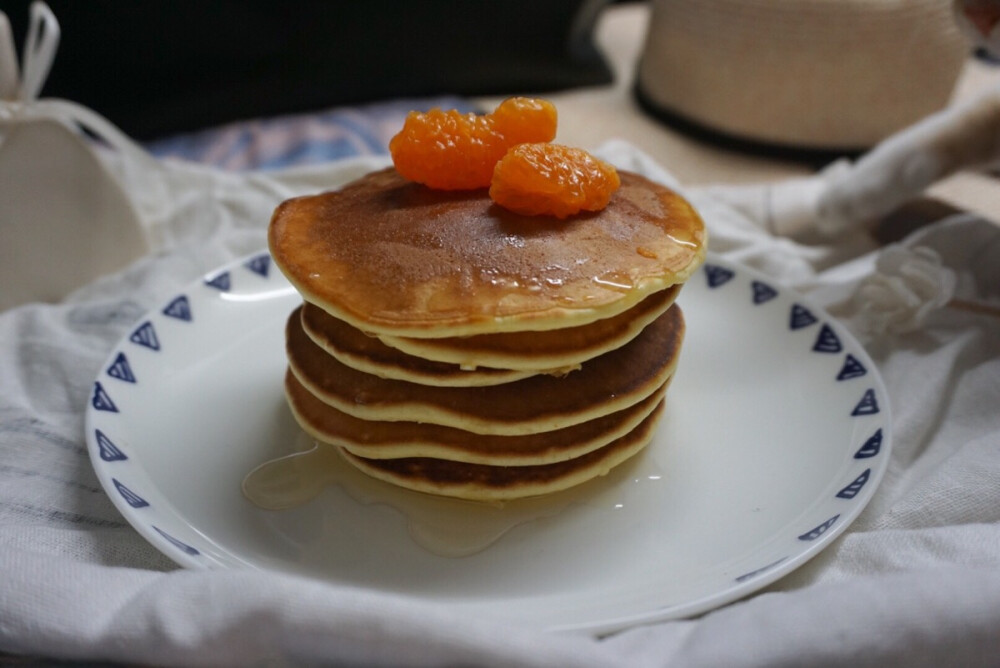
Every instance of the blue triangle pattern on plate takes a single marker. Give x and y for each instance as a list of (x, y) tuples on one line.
[(176, 543), (762, 292), (852, 368), (868, 404), (219, 281), (145, 335), (813, 534), (852, 490), (109, 451), (717, 275), (754, 573), (871, 447), (101, 400), (259, 264), (131, 498), (827, 341), (179, 308), (800, 317), (121, 370)]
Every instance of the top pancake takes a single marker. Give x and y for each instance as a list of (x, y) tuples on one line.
[(393, 257)]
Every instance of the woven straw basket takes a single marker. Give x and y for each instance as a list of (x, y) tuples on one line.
[(809, 74)]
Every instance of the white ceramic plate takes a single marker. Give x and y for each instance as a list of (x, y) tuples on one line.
[(775, 436)]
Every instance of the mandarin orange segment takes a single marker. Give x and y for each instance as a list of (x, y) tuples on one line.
[(524, 120), (449, 150), (552, 180)]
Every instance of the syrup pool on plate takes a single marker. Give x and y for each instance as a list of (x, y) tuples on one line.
[(443, 526)]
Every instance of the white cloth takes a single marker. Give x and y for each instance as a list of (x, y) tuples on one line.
[(914, 581)]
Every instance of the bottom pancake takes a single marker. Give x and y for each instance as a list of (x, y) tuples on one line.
[(483, 482)]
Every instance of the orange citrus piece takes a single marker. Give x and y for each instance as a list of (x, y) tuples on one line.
[(550, 179), (521, 120), (449, 150)]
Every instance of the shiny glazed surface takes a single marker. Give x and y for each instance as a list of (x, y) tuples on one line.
[(394, 257)]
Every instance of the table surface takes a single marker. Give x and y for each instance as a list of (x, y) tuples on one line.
[(590, 116)]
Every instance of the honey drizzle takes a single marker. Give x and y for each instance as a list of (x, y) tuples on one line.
[(443, 526)]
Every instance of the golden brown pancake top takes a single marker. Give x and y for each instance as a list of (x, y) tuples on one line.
[(394, 257)]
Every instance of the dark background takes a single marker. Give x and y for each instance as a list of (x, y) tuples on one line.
[(155, 67)]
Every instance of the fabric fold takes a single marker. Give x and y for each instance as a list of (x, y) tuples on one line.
[(915, 581)]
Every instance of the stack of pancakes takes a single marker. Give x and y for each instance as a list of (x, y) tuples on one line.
[(450, 346)]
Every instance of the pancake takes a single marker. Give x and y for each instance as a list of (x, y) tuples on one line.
[(393, 257), (481, 482), (388, 440), (603, 385), (550, 351), (450, 346), (353, 348), (484, 359)]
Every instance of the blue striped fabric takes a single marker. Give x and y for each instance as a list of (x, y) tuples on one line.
[(300, 139)]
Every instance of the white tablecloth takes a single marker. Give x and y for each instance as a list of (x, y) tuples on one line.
[(914, 581)]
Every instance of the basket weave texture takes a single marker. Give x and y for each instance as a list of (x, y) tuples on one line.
[(808, 73)]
